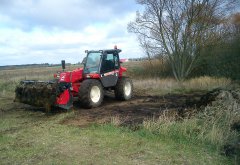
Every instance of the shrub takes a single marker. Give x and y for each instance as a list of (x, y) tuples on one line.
[(151, 69)]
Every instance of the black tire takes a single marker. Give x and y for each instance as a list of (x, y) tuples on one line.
[(120, 92), (84, 94)]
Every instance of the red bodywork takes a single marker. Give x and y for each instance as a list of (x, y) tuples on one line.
[(63, 98), (75, 78)]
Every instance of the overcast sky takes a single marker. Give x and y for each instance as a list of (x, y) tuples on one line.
[(48, 31)]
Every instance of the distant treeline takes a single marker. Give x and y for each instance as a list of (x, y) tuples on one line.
[(30, 66), (138, 59)]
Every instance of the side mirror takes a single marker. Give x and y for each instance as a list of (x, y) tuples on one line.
[(84, 61), (63, 64)]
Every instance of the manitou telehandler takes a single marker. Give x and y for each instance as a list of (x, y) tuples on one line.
[(102, 71)]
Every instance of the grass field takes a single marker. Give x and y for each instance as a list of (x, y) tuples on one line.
[(28, 136)]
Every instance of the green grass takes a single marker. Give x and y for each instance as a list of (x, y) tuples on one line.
[(28, 137)]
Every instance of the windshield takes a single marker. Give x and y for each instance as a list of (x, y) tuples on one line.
[(92, 62)]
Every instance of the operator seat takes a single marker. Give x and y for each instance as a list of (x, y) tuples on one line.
[(107, 65)]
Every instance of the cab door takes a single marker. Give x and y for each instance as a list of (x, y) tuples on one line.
[(109, 69)]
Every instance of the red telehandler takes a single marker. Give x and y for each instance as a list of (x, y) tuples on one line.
[(102, 71)]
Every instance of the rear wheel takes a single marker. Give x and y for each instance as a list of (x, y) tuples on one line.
[(124, 89), (90, 93)]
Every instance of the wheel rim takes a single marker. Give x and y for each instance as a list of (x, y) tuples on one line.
[(95, 94), (127, 88)]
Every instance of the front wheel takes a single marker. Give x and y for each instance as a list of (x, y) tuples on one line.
[(124, 89), (90, 93)]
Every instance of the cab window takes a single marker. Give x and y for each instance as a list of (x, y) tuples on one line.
[(108, 63)]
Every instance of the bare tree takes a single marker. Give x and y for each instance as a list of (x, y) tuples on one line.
[(145, 45), (179, 29)]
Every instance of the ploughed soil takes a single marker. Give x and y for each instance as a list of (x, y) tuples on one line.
[(136, 110)]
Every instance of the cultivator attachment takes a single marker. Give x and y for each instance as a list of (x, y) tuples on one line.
[(44, 94)]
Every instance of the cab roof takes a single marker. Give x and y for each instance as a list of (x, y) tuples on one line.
[(105, 50)]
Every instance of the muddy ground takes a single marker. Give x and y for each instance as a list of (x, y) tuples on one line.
[(131, 112), (134, 111)]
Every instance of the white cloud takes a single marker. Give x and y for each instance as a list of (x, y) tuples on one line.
[(42, 46), (70, 14), (41, 31)]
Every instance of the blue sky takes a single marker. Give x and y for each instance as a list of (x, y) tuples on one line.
[(48, 31)]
